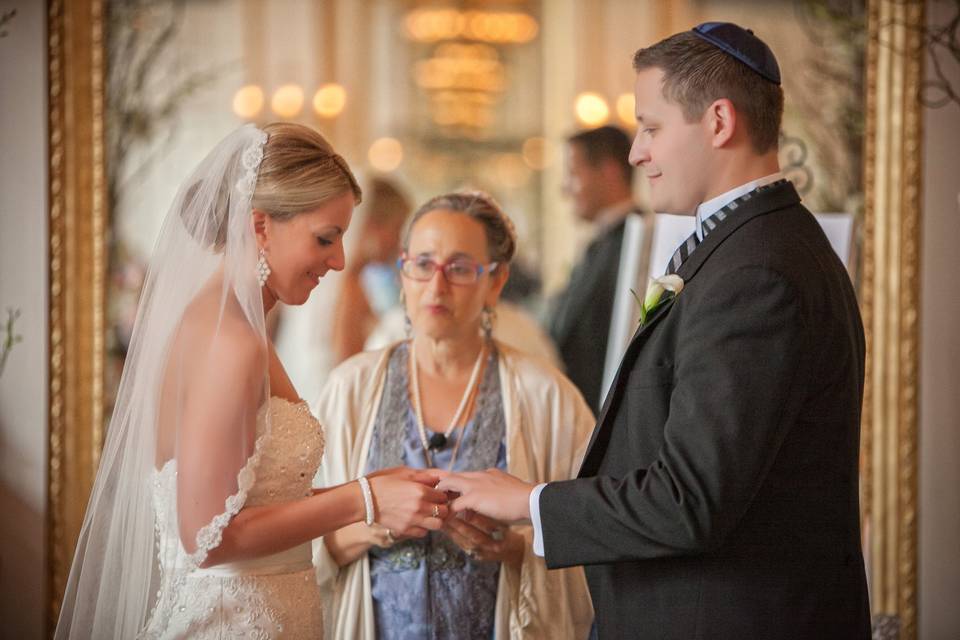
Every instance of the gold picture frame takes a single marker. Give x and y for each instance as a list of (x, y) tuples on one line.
[(78, 271), (889, 301), (78, 220)]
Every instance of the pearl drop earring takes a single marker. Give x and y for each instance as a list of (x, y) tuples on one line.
[(263, 269)]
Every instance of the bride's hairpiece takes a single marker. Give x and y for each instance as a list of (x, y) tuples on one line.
[(251, 159)]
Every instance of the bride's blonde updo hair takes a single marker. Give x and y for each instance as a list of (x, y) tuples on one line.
[(299, 172), (501, 234)]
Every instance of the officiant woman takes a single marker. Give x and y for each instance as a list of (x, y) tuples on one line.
[(451, 397)]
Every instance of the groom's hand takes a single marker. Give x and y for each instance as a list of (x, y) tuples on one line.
[(492, 493)]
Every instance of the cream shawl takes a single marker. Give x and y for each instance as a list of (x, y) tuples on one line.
[(548, 425)]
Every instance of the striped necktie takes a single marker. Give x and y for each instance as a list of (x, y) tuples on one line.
[(686, 248)]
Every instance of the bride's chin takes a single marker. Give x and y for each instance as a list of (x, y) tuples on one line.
[(294, 299)]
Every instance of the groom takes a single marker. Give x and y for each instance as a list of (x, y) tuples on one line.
[(719, 494)]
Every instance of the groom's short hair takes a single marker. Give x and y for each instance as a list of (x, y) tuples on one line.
[(695, 73)]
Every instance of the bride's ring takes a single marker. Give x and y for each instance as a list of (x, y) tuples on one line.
[(436, 511), (390, 539), (471, 553), (497, 534)]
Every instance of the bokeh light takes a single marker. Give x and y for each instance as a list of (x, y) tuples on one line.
[(248, 101), (385, 154), (287, 101), (591, 109), (329, 100)]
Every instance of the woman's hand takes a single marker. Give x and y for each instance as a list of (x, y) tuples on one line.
[(349, 543), (406, 503), (486, 539)]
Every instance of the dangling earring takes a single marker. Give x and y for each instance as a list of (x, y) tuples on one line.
[(487, 316), (407, 325), (263, 269)]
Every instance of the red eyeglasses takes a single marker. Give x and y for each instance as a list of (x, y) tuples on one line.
[(459, 271)]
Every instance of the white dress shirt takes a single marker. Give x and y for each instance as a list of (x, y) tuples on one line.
[(711, 206), (704, 211)]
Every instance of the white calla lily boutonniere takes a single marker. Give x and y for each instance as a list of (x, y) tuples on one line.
[(659, 292)]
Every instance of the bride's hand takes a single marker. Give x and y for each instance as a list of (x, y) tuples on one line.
[(406, 503), (429, 477)]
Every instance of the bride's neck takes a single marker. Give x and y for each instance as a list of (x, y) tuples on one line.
[(447, 358), (269, 299)]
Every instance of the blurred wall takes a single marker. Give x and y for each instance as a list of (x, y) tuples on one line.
[(939, 430), (23, 285)]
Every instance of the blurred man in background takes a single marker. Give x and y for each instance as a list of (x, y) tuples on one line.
[(599, 181)]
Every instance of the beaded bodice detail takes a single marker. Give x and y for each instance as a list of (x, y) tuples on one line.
[(287, 453), (290, 460), (281, 469)]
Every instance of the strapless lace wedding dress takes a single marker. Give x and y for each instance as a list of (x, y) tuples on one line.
[(269, 597)]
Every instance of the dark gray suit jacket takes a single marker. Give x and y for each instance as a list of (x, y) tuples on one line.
[(580, 314), (719, 495)]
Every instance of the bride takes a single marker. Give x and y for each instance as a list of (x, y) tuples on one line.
[(201, 516)]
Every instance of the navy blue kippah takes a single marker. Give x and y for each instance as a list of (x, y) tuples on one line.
[(742, 45)]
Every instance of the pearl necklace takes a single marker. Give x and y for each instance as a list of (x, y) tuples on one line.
[(439, 440)]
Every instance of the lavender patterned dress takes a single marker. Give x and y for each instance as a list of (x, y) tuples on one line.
[(428, 587)]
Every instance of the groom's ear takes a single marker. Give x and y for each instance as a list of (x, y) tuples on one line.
[(261, 223)]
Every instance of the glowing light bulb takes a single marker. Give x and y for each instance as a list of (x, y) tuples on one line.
[(287, 101), (329, 100), (591, 109), (626, 104), (385, 154), (538, 153), (248, 101)]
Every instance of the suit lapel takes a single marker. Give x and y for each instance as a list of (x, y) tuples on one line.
[(616, 387), (763, 203)]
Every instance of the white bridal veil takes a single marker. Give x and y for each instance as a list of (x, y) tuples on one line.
[(187, 405)]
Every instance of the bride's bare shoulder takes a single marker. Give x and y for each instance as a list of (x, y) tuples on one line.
[(221, 331)]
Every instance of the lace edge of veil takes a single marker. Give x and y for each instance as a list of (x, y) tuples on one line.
[(208, 538), (210, 535)]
